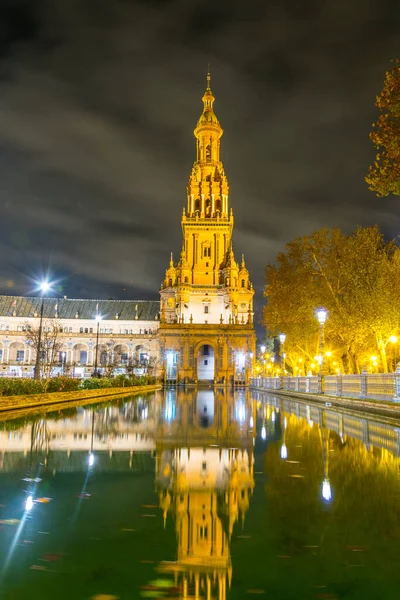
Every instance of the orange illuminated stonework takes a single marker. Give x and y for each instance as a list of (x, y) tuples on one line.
[(206, 329)]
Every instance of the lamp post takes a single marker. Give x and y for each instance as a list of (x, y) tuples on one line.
[(98, 318), (44, 287), (282, 339), (322, 314)]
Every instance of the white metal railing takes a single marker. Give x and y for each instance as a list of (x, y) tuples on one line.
[(376, 386)]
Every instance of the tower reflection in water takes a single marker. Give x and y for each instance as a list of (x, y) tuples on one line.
[(204, 477)]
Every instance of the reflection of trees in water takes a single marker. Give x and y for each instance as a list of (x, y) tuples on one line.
[(105, 422), (40, 436), (364, 510)]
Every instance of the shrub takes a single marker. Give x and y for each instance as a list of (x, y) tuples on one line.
[(15, 386), (63, 384), (96, 383)]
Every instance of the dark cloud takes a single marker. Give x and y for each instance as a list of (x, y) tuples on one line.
[(98, 101)]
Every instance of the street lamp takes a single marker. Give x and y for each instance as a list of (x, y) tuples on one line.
[(322, 314), (44, 287), (282, 339), (98, 319)]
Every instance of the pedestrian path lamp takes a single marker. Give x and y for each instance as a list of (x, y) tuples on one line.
[(44, 287), (98, 319), (322, 314)]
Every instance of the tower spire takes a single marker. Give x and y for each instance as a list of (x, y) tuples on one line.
[(209, 77)]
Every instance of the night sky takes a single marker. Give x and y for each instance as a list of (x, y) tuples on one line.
[(98, 102)]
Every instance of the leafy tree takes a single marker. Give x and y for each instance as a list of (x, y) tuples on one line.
[(384, 175), (356, 278)]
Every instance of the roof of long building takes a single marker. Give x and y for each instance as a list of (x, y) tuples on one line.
[(70, 308)]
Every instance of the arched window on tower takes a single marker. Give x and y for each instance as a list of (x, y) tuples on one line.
[(218, 205), (208, 207), (208, 152), (206, 310), (197, 205), (170, 282), (243, 283), (186, 279)]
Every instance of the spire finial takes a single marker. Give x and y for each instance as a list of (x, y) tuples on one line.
[(209, 76), (171, 261)]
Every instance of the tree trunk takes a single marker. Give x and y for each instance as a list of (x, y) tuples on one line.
[(382, 353)]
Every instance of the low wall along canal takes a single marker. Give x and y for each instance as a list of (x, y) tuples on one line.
[(8, 403)]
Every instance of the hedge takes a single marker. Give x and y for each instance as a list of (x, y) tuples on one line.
[(14, 386)]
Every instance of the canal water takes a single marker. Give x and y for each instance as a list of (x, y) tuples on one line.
[(199, 494)]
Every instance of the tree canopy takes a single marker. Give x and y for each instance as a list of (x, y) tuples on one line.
[(383, 176), (355, 277)]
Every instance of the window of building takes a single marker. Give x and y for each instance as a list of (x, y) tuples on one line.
[(124, 358), (206, 310), (83, 356), (205, 322), (70, 329), (61, 329), (206, 350), (218, 205), (197, 205), (86, 330), (80, 329), (111, 330), (243, 282), (144, 358), (205, 363), (203, 533), (7, 328), (91, 330), (20, 355), (19, 328), (66, 329), (1, 354)]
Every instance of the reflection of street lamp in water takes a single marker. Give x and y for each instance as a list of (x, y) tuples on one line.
[(326, 490), (284, 451)]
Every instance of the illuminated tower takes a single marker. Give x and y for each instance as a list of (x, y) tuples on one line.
[(207, 288)]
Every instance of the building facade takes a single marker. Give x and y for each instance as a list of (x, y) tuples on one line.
[(206, 326), (127, 338), (202, 328)]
